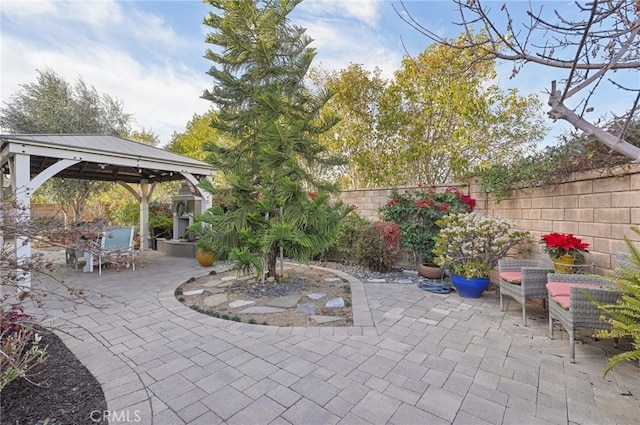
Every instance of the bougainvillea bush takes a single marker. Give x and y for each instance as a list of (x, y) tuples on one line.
[(379, 246), (416, 213)]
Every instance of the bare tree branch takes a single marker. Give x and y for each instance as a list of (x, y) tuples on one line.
[(603, 42)]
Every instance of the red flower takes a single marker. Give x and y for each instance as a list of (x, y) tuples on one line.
[(429, 202), (443, 207), (558, 244), (313, 195), (393, 202), (420, 204)]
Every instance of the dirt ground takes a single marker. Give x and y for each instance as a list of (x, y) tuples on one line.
[(298, 280)]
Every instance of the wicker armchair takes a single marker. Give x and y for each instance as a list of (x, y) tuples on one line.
[(574, 308), (523, 280)]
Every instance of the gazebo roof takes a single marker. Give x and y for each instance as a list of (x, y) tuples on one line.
[(101, 157)]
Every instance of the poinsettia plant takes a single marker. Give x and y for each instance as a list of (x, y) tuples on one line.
[(559, 244), (416, 213)]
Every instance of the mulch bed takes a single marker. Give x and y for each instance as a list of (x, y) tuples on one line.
[(67, 394)]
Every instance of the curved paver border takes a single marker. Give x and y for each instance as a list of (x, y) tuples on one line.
[(362, 318)]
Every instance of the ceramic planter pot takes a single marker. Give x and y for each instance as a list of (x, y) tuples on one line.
[(205, 258), (430, 271), (563, 264), (470, 288)]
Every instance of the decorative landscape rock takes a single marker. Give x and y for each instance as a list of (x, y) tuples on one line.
[(215, 300), (331, 279), (228, 278), (194, 292), (325, 319), (212, 284), (259, 309), (375, 280), (335, 303), (316, 296), (240, 303), (307, 308), (285, 302)]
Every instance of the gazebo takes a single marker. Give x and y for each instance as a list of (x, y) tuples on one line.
[(32, 159)]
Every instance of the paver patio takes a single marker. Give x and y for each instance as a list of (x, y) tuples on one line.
[(412, 357)]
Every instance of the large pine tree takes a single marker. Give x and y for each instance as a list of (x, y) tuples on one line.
[(269, 197)]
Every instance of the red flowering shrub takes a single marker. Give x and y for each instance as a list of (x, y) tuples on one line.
[(559, 244), (417, 211), (379, 246)]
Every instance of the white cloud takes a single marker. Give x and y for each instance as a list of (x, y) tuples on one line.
[(365, 11), (338, 45), (161, 97), (128, 54)]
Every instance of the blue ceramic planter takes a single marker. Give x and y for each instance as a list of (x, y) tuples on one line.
[(470, 288)]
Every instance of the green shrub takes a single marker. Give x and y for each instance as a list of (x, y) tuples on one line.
[(379, 246), (348, 239)]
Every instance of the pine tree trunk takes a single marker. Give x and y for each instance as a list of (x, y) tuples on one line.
[(272, 258)]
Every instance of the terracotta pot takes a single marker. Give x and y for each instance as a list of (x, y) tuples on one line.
[(205, 258), (430, 271)]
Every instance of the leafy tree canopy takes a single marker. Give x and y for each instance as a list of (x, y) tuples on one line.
[(53, 106), (438, 118)]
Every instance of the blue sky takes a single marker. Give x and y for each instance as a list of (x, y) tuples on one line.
[(148, 53)]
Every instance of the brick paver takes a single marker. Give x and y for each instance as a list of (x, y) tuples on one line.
[(411, 357)]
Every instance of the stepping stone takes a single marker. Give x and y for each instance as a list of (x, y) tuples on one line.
[(316, 296), (227, 278), (285, 302), (194, 292), (212, 284), (335, 303), (404, 281), (259, 309), (215, 300), (331, 279), (240, 303), (307, 308), (377, 280), (325, 319)]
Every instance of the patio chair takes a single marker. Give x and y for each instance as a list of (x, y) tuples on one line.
[(523, 280), (570, 303), (116, 247)]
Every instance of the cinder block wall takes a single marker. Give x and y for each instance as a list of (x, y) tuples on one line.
[(598, 207)]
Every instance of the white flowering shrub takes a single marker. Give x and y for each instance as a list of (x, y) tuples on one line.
[(470, 245)]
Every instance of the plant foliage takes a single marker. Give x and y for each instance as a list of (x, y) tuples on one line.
[(416, 213), (624, 316), (559, 244), (379, 247), (272, 200), (574, 152), (471, 244)]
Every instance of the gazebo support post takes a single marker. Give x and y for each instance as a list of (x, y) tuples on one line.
[(20, 182)]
